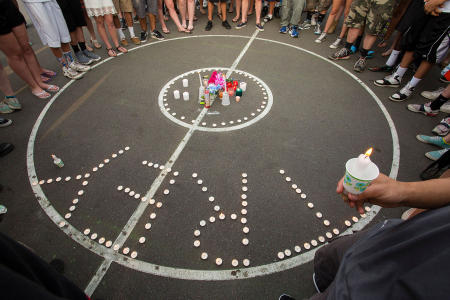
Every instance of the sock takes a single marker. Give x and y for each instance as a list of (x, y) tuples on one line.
[(309, 15), (320, 18), (400, 71), (82, 46), (62, 61), (75, 48), (414, 81), (69, 57), (364, 52), (348, 45), (269, 15), (392, 58), (436, 104), (358, 41), (131, 30), (121, 35)]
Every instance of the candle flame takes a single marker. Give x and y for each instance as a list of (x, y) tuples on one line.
[(368, 152)]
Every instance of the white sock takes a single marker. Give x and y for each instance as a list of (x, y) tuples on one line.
[(131, 30), (400, 71), (414, 81), (269, 15), (121, 35), (392, 58)]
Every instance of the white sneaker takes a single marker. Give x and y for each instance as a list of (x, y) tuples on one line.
[(445, 108), (336, 43), (317, 30), (314, 19), (392, 80), (79, 67), (70, 73), (321, 38), (432, 95)]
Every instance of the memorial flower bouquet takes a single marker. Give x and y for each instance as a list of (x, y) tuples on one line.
[(216, 83)]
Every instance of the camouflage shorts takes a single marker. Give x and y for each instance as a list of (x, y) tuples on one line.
[(321, 5), (372, 13)]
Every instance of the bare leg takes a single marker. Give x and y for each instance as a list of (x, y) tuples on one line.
[(210, 10), (91, 30), (251, 5), (182, 9), (352, 35), (238, 11), (191, 13), (109, 20), (369, 40), (161, 17), (230, 9), (101, 30), (244, 14), (173, 15), (333, 14), (223, 8), (271, 7), (152, 19), (143, 23), (258, 8), (5, 84)]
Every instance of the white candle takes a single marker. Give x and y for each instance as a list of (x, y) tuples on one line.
[(176, 94), (185, 83), (243, 86), (185, 96)]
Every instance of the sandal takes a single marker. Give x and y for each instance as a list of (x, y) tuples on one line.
[(96, 44), (52, 88), (48, 73), (121, 49), (235, 19), (45, 79), (190, 29), (166, 31), (111, 52), (42, 95), (89, 48)]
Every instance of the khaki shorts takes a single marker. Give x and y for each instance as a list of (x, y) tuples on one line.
[(372, 13), (321, 5), (123, 5)]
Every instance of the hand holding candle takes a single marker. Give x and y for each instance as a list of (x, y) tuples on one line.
[(359, 173)]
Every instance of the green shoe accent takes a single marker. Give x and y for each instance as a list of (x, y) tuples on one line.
[(433, 140), (12, 102), (4, 108)]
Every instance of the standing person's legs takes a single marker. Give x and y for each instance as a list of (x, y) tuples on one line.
[(173, 14), (91, 30), (251, 6), (5, 84), (238, 11), (258, 8), (286, 14), (244, 13), (335, 10), (152, 11), (181, 4), (161, 17), (113, 33), (191, 13), (10, 102)]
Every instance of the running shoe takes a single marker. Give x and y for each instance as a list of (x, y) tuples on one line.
[(83, 59), (403, 94), (268, 18), (91, 55), (435, 155), (157, 35), (383, 68), (71, 73), (360, 65), (336, 43), (143, 36), (284, 29), (392, 80), (259, 27), (5, 122), (293, 32), (342, 53), (443, 127), (241, 25), (443, 79), (136, 40), (445, 108), (424, 109), (124, 24), (4, 108), (317, 30), (433, 140), (208, 26), (226, 24), (305, 25), (13, 103), (432, 95), (321, 38), (124, 42)]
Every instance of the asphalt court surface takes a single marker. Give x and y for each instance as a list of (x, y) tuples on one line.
[(320, 117)]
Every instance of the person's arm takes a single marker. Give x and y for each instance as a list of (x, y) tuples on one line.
[(387, 192), (432, 6)]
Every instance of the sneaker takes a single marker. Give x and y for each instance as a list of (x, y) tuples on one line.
[(314, 19), (13, 103), (135, 40), (259, 27), (268, 18), (317, 30), (305, 25), (155, 34), (71, 73), (433, 140), (383, 68), (136, 19), (445, 108), (241, 25), (392, 80), (435, 155), (226, 24), (79, 67), (342, 53), (293, 32), (423, 108), (143, 36), (5, 122), (83, 59), (208, 26), (403, 94), (91, 55), (360, 65), (4, 108), (442, 128), (321, 38), (336, 43), (443, 79), (124, 42), (284, 29), (432, 95)]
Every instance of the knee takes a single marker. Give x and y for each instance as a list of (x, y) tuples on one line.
[(26, 48)]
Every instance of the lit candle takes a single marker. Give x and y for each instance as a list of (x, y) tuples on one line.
[(359, 173), (363, 160)]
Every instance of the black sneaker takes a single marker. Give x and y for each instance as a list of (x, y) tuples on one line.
[(143, 36), (259, 27), (5, 122), (209, 25), (241, 25), (157, 35), (226, 25)]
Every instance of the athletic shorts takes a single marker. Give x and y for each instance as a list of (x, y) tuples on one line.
[(10, 16), (321, 5), (73, 13), (49, 22), (144, 7), (372, 13), (123, 5), (428, 37), (413, 13)]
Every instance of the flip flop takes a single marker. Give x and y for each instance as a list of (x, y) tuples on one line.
[(234, 20), (42, 95), (111, 52), (49, 73), (45, 79), (167, 31), (96, 44), (121, 49), (52, 88), (190, 29)]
